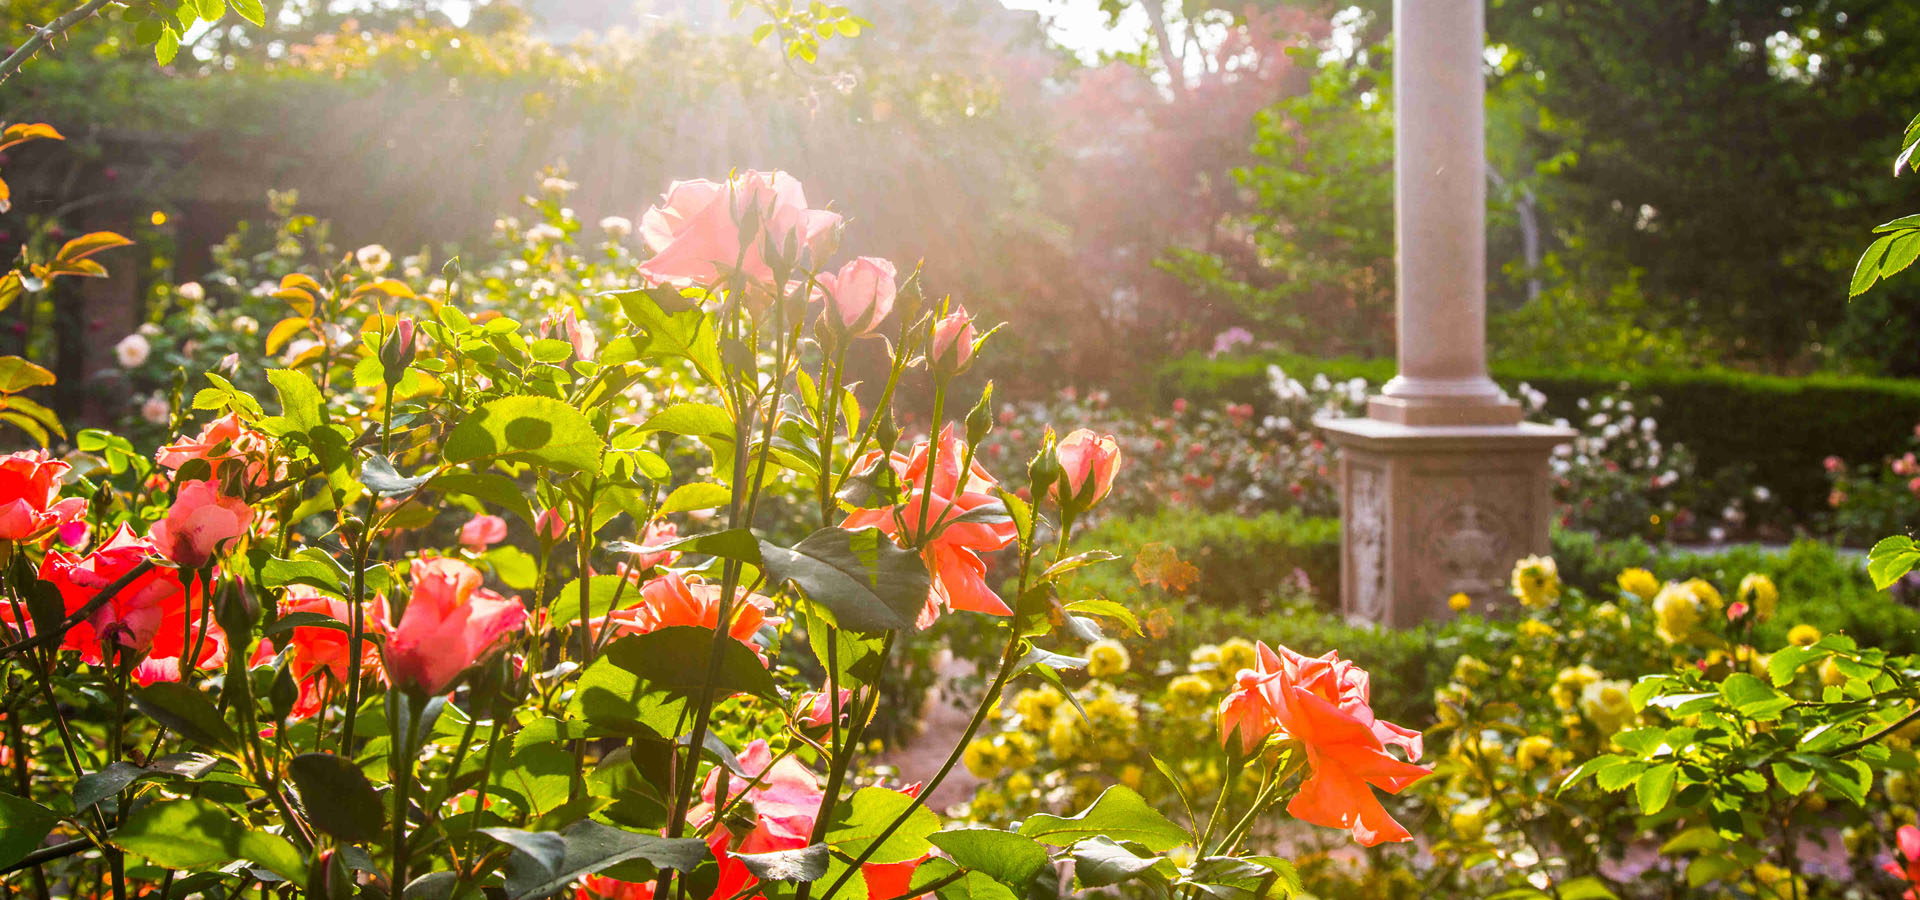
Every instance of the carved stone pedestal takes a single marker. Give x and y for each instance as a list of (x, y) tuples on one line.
[(1431, 511)]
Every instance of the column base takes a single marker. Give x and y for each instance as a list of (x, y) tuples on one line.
[(1429, 511)]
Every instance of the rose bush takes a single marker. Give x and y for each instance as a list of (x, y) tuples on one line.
[(475, 594)]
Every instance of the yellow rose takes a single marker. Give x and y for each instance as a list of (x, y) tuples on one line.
[(1534, 750), (1758, 592), (1189, 696), (1107, 658), (1237, 654), (1638, 582), (1606, 705), (1830, 674), (1676, 613), (982, 758), (1470, 671), (1536, 581), (1035, 707), (1534, 628), (1459, 602), (1708, 594), (1803, 635)]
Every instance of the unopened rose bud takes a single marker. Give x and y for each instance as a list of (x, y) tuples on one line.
[(1088, 463), (952, 349), (397, 354), (860, 294)]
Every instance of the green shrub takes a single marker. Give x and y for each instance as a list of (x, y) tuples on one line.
[(1243, 561), (1777, 429), (1819, 585)]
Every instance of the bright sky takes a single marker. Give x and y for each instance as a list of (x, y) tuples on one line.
[(1081, 26)]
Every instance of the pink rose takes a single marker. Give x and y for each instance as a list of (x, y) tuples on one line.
[(482, 532), (953, 338), (550, 524), (695, 232), (861, 294), (657, 533), (201, 523), (450, 623), (1088, 463), (1833, 463)]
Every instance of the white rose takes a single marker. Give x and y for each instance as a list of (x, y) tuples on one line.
[(544, 232), (374, 258), (132, 350), (191, 291), (155, 410), (246, 324), (617, 227)]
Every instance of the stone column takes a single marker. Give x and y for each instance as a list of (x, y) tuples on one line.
[(1442, 485)]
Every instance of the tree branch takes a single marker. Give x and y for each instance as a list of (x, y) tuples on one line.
[(42, 37)]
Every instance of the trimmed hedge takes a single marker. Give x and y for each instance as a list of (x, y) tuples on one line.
[(1242, 560), (1778, 429)]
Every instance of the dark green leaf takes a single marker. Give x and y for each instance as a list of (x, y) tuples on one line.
[(1099, 862), (23, 825), (338, 797), (187, 711), (864, 580)]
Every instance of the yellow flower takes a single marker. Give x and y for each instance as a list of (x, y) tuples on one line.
[(1536, 581), (1534, 750), (1803, 635), (1019, 750), (982, 758), (1570, 682), (1459, 602), (1758, 592), (1468, 822), (1237, 654), (1830, 674), (1063, 737), (1470, 671), (1035, 707), (1019, 783), (1639, 582), (1708, 594), (1676, 613), (1534, 628), (1107, 658), (1606, 705), (1189, 696)]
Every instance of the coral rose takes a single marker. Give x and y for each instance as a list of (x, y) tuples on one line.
[(153, 616), (672, 599), (450, 623), (223, 440), (318, 656), (953, 338), (951, 549), (1325, 704), (30, 503)]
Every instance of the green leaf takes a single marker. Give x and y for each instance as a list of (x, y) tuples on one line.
[(1002, 855), (185, 710), (692, 420), (687, 334), (339, 799), (860, 821), (697, 495), (971, 886), (1901, 253), (201, 834), (17, 375), (1587, 888), (862, 578), (491, 487), (378, 474), (588, 847), (97, 786), (601, 590), (1793, 778), (167, 46), (799, 866), (1867, 270), (250, 10), (300, 402), (1655, 788), (1119, 813), (24, 824), (1891, 559), (642, 683), (1787, 661), (1099, 862), (534, 429)]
